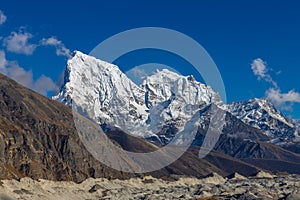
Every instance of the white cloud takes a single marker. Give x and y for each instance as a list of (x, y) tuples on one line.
[(280, 99), (19, 43), (259, 68), (43, 85), (284, 101), (279, 72), (2, 17), (19, 74), (61, 50), (3, 61), (11, 69), (52, 41)]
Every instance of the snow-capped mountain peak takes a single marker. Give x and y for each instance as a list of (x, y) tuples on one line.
[(101, 90), (273, 112), (104, 93), (161, 85), (261, 114)]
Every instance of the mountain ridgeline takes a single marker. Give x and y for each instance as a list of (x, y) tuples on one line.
[(39, 139), (161, 108)]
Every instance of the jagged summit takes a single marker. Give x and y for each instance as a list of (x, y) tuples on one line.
[(164, 83), (262, 114), (104, 93)]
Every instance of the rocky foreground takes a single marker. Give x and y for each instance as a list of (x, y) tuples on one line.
[(262, 186)]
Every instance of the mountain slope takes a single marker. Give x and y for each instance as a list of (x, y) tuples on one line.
[(250, 144), (38, 139)]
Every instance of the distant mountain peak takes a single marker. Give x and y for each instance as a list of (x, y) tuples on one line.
[(262, 114), (264, 103)]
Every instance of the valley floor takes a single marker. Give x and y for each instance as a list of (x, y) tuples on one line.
[(262, 186)]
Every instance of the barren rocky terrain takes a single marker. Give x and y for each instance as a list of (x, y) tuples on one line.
[(262, 186)]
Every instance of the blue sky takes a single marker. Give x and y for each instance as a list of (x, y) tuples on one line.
[(234, 33)]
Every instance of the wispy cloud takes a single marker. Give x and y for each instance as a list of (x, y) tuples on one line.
[(283, 100), (19, 74), (3, 61), (61, 49), (259, 68), (2, 17), (43, 84), (18, 42)]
